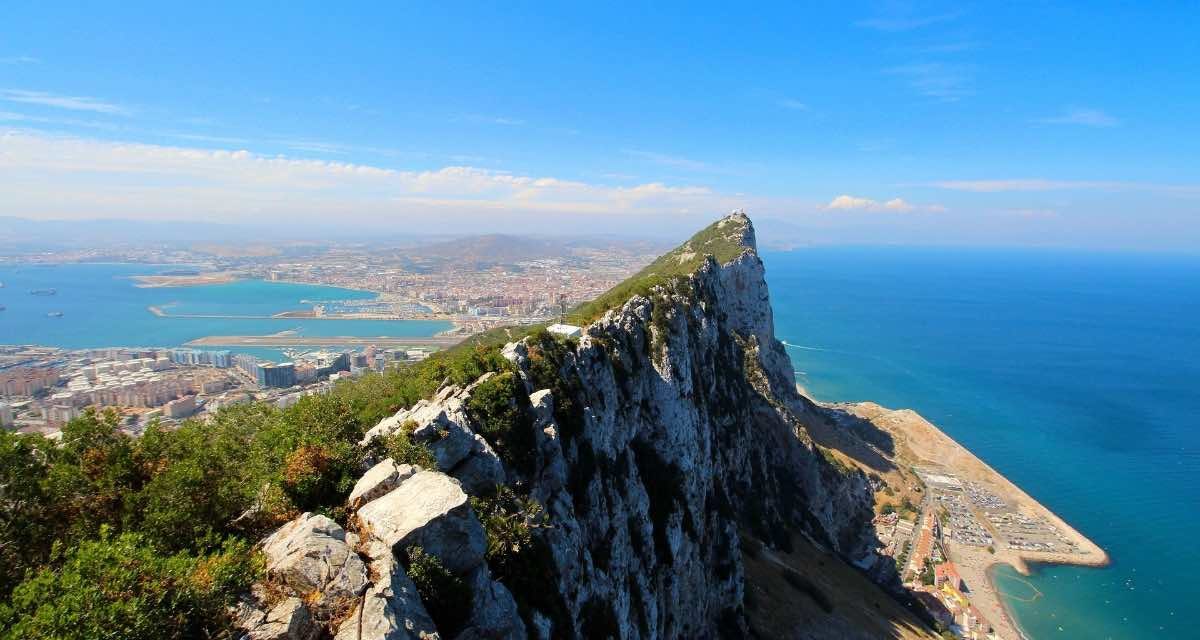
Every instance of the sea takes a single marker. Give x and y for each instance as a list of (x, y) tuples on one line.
[(102, 307), (1076, 375)]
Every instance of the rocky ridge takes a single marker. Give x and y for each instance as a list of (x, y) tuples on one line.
[(665, 437)]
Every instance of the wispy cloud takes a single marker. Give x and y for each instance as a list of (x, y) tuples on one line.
[(955, 46), (904, 20), (18, 60), (1043, 184), (477, 118), (200, 137), (668, 160), (948, 82), (55, 174), (1082, 117), (1033, 214), (793, 104), (73, 103), (895, 205)]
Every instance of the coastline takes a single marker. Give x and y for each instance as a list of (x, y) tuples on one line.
[(918, 442), (1006, 610)]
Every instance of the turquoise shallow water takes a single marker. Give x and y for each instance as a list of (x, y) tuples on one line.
[(101, 307), (1073, 374)]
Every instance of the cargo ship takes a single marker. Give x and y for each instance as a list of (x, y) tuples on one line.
[(43, 292), (54, 314)]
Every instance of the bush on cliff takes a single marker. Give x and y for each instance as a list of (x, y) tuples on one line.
[(501, 409), (118, 587)]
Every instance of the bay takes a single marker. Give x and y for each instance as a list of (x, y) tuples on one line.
[(102, 307)]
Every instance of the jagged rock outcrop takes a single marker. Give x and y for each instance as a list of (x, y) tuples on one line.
[(310, 555), (391, 608), (428, 510), (288, 620), (665, 435), (447, 428), (379, 480)]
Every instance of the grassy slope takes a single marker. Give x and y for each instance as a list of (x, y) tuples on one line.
[(721, 239)]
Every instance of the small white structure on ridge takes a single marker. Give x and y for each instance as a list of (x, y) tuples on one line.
[(565, 330)]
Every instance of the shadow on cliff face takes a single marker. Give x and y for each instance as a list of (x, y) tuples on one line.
[(858, 438), (808, 593)]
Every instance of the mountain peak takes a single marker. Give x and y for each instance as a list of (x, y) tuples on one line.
[(725, 240)]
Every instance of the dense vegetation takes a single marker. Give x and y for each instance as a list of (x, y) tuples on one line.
[(107, 535)]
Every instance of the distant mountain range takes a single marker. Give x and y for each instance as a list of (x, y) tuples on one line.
[(23, 236)]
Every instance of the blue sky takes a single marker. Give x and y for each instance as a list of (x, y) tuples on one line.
[(992, 123)]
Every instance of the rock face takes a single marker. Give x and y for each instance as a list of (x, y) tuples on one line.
[(310, 555), (447, 428), (673, 426), (288, 620), (668, 432), (428, 510), (379, 480), (390, 610)]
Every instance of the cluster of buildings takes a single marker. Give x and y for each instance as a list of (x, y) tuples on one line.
[(461, 290), (934, 580), (946, 600), (27, 381), (44, 388)]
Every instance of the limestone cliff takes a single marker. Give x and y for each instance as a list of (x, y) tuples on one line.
[(663, 443)]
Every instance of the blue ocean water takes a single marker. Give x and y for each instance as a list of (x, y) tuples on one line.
[(1074, 374), (101, 307)]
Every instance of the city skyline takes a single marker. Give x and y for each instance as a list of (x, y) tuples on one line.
[(894, 123)]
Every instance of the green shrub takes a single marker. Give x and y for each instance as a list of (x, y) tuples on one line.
[(117, 587), (445, 596), (399, 446), (501, 409)]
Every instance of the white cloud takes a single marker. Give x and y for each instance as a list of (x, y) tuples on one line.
[(793, 104), (73, 103), (19, 60), (62, 176), (896, 205), (1083, 117)]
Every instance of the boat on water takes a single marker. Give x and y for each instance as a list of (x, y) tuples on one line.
[(54, 314), (43, 292)]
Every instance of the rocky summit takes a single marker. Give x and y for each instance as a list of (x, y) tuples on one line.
[(651, 467)]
